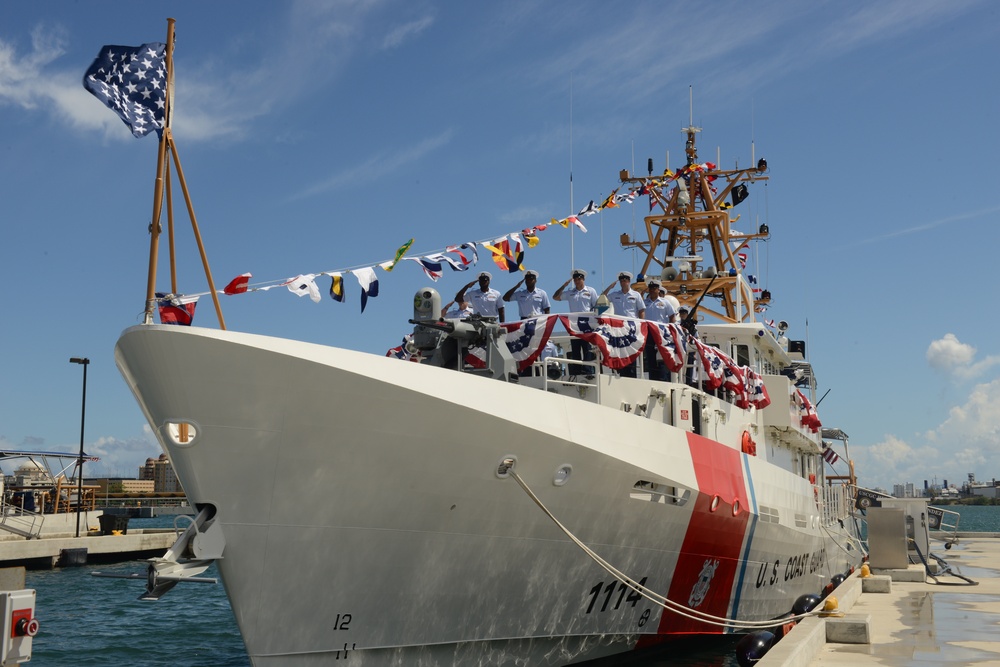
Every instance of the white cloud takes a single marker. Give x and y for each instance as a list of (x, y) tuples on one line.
[(122, 456), (967, 441), (400, 34), (976, 423), (379, 165), (960, 217), (957, 359), (893, 461), (214, 99)]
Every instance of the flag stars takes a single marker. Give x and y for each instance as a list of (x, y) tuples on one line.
[(123, 69)]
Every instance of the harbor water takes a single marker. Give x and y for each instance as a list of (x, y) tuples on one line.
[(86, 620)]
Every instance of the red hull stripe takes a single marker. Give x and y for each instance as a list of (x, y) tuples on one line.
[(710, 553)]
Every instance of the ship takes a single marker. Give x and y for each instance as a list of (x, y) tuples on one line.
[(485, 502)]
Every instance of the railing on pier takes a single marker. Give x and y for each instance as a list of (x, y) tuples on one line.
[(20, 521), (944, 521)]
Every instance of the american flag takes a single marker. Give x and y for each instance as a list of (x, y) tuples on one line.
[(131, 81)]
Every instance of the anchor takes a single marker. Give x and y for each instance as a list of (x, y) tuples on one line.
[(191, 554)]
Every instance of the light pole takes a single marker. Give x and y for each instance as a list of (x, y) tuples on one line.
[(83, 420)]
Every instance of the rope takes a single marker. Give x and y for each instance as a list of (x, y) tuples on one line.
[(655, 598), (849, 537)]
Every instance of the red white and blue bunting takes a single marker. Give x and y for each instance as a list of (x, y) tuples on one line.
[(621, 341)]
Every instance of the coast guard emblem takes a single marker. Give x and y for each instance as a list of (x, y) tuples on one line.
[(700, 589)]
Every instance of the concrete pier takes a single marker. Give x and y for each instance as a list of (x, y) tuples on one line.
[(66, 550), (910, 619)]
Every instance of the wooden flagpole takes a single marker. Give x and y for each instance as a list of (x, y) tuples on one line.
[(197, 234), (163, 174), (170, 228), (161, 159)]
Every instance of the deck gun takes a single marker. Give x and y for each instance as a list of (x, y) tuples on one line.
[(689, 323)]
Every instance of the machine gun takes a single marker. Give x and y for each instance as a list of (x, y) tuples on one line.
[(689, 323)]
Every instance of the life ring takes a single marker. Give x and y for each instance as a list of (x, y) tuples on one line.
[(747, 445)]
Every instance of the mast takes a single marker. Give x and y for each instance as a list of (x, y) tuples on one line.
[(163, 180), (691, 242), (161, 162)]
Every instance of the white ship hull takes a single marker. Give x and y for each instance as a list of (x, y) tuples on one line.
[(365, 520)]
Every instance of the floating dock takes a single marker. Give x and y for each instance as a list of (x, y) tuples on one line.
[(902, 617)]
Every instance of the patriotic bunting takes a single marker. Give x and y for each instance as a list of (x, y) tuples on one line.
[(402, 351), (755, 393), (670, 342), (711, 363), (527, 338), (807, 413), (620, 340)]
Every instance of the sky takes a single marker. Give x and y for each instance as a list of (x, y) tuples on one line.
[(321, 135)]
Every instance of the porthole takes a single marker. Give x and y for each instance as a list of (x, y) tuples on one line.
[(505, 465), (736, 506), (715, 504), (181, 433)]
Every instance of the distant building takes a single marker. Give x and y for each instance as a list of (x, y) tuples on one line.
[(121, 485), (29, 473), (985, 489), (161, 472)]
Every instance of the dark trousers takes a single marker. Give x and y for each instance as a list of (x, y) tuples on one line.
[(654, 365), (579, 349)]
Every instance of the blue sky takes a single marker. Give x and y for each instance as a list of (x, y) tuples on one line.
[(322, 135)]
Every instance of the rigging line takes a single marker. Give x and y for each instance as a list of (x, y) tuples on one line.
[(632, 209), (652, 596), (767, 250), (572, 247), (278, 282), (602, 245), (833, 537)]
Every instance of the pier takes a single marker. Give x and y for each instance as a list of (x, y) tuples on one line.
[(66, 550), (902, 617)]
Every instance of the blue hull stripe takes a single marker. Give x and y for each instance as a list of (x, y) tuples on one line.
[(750, 531)]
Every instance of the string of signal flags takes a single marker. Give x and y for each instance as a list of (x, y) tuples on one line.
[(506, 251)]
